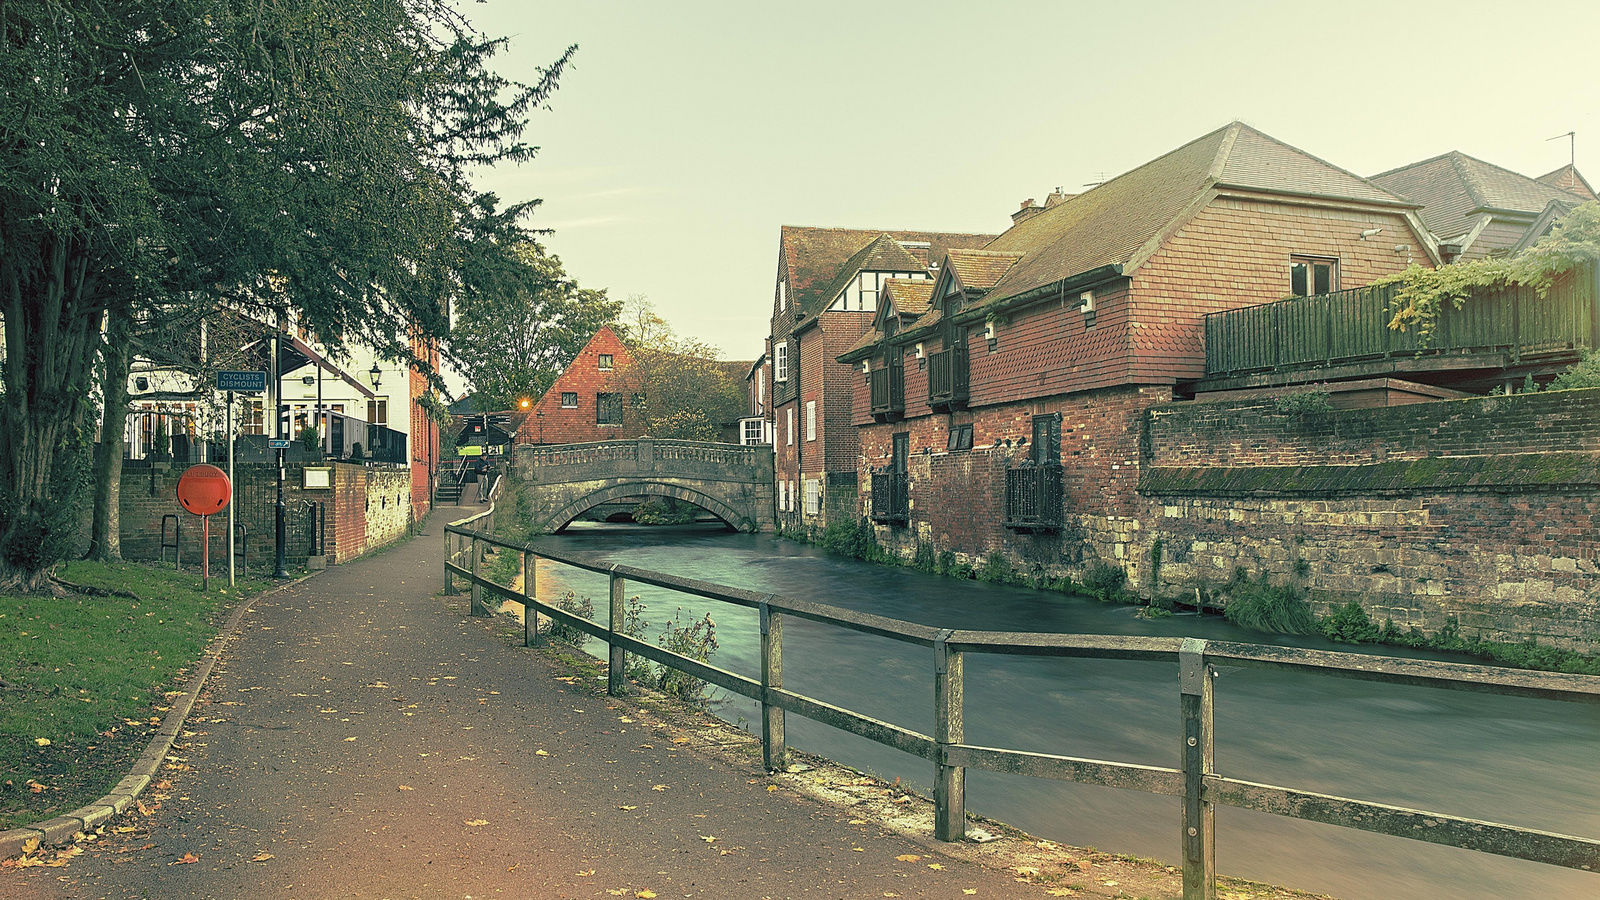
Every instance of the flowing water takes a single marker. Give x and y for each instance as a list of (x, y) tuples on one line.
[(1523, 762)]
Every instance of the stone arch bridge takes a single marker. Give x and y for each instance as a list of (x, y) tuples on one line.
[(732, 482)]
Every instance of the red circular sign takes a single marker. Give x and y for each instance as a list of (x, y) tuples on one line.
[(204, 490)]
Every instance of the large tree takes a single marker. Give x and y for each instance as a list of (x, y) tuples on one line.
[(303, 157), (677, 386), (516, 332)]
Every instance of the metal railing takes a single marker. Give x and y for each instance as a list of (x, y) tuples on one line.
[(1195, 781), (891, 497), (888, 390), (1353, 325), (948, 377), (1033, 498)]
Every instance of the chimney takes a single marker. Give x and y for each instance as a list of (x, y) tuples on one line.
[(1056, 198), (1029, 210)]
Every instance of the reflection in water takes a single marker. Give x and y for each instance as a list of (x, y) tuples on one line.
[(1525, 762)]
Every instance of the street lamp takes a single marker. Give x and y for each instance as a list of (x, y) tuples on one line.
[(376, 374)]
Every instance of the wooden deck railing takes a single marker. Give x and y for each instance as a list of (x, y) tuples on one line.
[(888, 390), (1351, 326), (948, 376), (1196, 781)]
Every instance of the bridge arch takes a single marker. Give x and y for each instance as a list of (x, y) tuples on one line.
[(564, 516)]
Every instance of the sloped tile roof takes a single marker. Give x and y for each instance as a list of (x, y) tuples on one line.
[(1114, 223), (814, 257), (1569, 179), (909, 296), (980, 269), (883, 254), (866, 341), (1455, 188)]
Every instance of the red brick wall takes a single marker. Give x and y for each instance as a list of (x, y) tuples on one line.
[(552, 424), (839, 332), (1236, 253)]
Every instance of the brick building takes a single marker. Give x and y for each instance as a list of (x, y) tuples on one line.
[(1477, 209), (585, 403), (1000, 411), (827, 291)]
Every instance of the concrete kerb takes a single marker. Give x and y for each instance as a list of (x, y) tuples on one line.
[(61, 829)]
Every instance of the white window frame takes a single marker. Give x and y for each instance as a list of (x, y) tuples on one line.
[(780, 362), (811, 420), (788, 425), (813, 496)]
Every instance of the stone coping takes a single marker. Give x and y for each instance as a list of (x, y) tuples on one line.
[(60, 830)]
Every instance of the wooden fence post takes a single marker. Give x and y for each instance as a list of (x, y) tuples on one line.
[(617, 681), (449, 557), (477, 589), (949, 782), (1199, 827), (774, 746), (530, 589)]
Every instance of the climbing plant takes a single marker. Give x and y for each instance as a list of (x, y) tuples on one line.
[(1421, 293)]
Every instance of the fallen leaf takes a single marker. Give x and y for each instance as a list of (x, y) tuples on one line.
[(626, 721), (680, 740), (263, 856), (658, 787), (969, 890), (1062, 892), (1027, 871), (771, 788), (627, 807), (646, 894), (43, 742), (476, 822), (184, 860), (935, 866), (540, 753), (647, 746), (908, 857), (349, 739), (858, 849), (586, 873), (407, 787), (707, 838), (1109, 883), (126, 829), (29, 846)]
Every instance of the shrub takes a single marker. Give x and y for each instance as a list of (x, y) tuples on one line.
[(925, 559), (633, 625), (696, 640), (853, 539), (996, 569), (1104, 581), (1349, 624), (582, 607), (1269, 607), (1302, 403)]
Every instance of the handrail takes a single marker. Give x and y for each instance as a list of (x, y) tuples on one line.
[(1197, 661)]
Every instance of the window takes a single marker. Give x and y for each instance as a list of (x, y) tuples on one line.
[(378, 411), (811, 420), (750, 432), (813, 496), (788, 426), (608, 409), (960, 438), (780, 363), (605, 362), (569, 399), (1047, 439), (254, 421), (783, 296), (791, 496), (1310, 275)]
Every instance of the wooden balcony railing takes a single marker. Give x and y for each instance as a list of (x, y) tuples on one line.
[(891, 497), (1350, 326), (888, 391), (948, 378), (1033, 498)]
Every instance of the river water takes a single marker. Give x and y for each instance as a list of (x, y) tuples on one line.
[(1524, 762)]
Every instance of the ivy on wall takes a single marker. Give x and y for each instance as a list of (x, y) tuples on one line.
[(1421, 292)]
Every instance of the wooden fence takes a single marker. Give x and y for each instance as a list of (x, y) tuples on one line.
[(1199, 786), (1351, 326)]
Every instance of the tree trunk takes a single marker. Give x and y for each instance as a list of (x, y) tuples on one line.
[(105, 544)]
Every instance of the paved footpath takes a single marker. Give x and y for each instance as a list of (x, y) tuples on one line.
[(363, 739)]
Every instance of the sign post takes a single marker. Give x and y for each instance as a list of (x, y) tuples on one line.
[(243, 382), (204, 490)]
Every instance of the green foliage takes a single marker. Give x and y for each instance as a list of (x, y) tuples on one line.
[(583, 607), (1349, 624), (1302, 568), (1303, 403), (634, 625), (697, 640), (1268, 607), (1529, 654), (996, 570), (665, 511), (1586, 374), (1422, 292), (855, 540), (516, 333), (309, 440), (1104, 581), (680, 387)]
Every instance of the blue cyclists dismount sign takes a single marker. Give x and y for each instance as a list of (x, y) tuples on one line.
[(244, 382)]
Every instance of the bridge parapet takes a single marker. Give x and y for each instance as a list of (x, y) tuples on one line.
[(731, 480)]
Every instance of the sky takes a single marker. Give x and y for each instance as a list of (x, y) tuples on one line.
[(685, 134)]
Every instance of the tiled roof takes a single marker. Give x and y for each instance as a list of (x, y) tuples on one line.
[(980, 269), (815, 257), (1118, 223), (1569, 179), (909, 296), (866, 341), (884, 254), (1455, 188)]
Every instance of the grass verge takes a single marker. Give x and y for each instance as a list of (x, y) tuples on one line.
[(87, 677)]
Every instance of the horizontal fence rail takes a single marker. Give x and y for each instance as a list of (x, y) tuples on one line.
[(1353, 325), (1199, 786)]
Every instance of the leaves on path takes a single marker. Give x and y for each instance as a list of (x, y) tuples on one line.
[(407, 787), (184, 860), (476, 822), (540, 753), (586, 873), (263, 856), (658, 787), (708, 838), (628, 807), (646, 894), (935, 866), (908, 857)]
